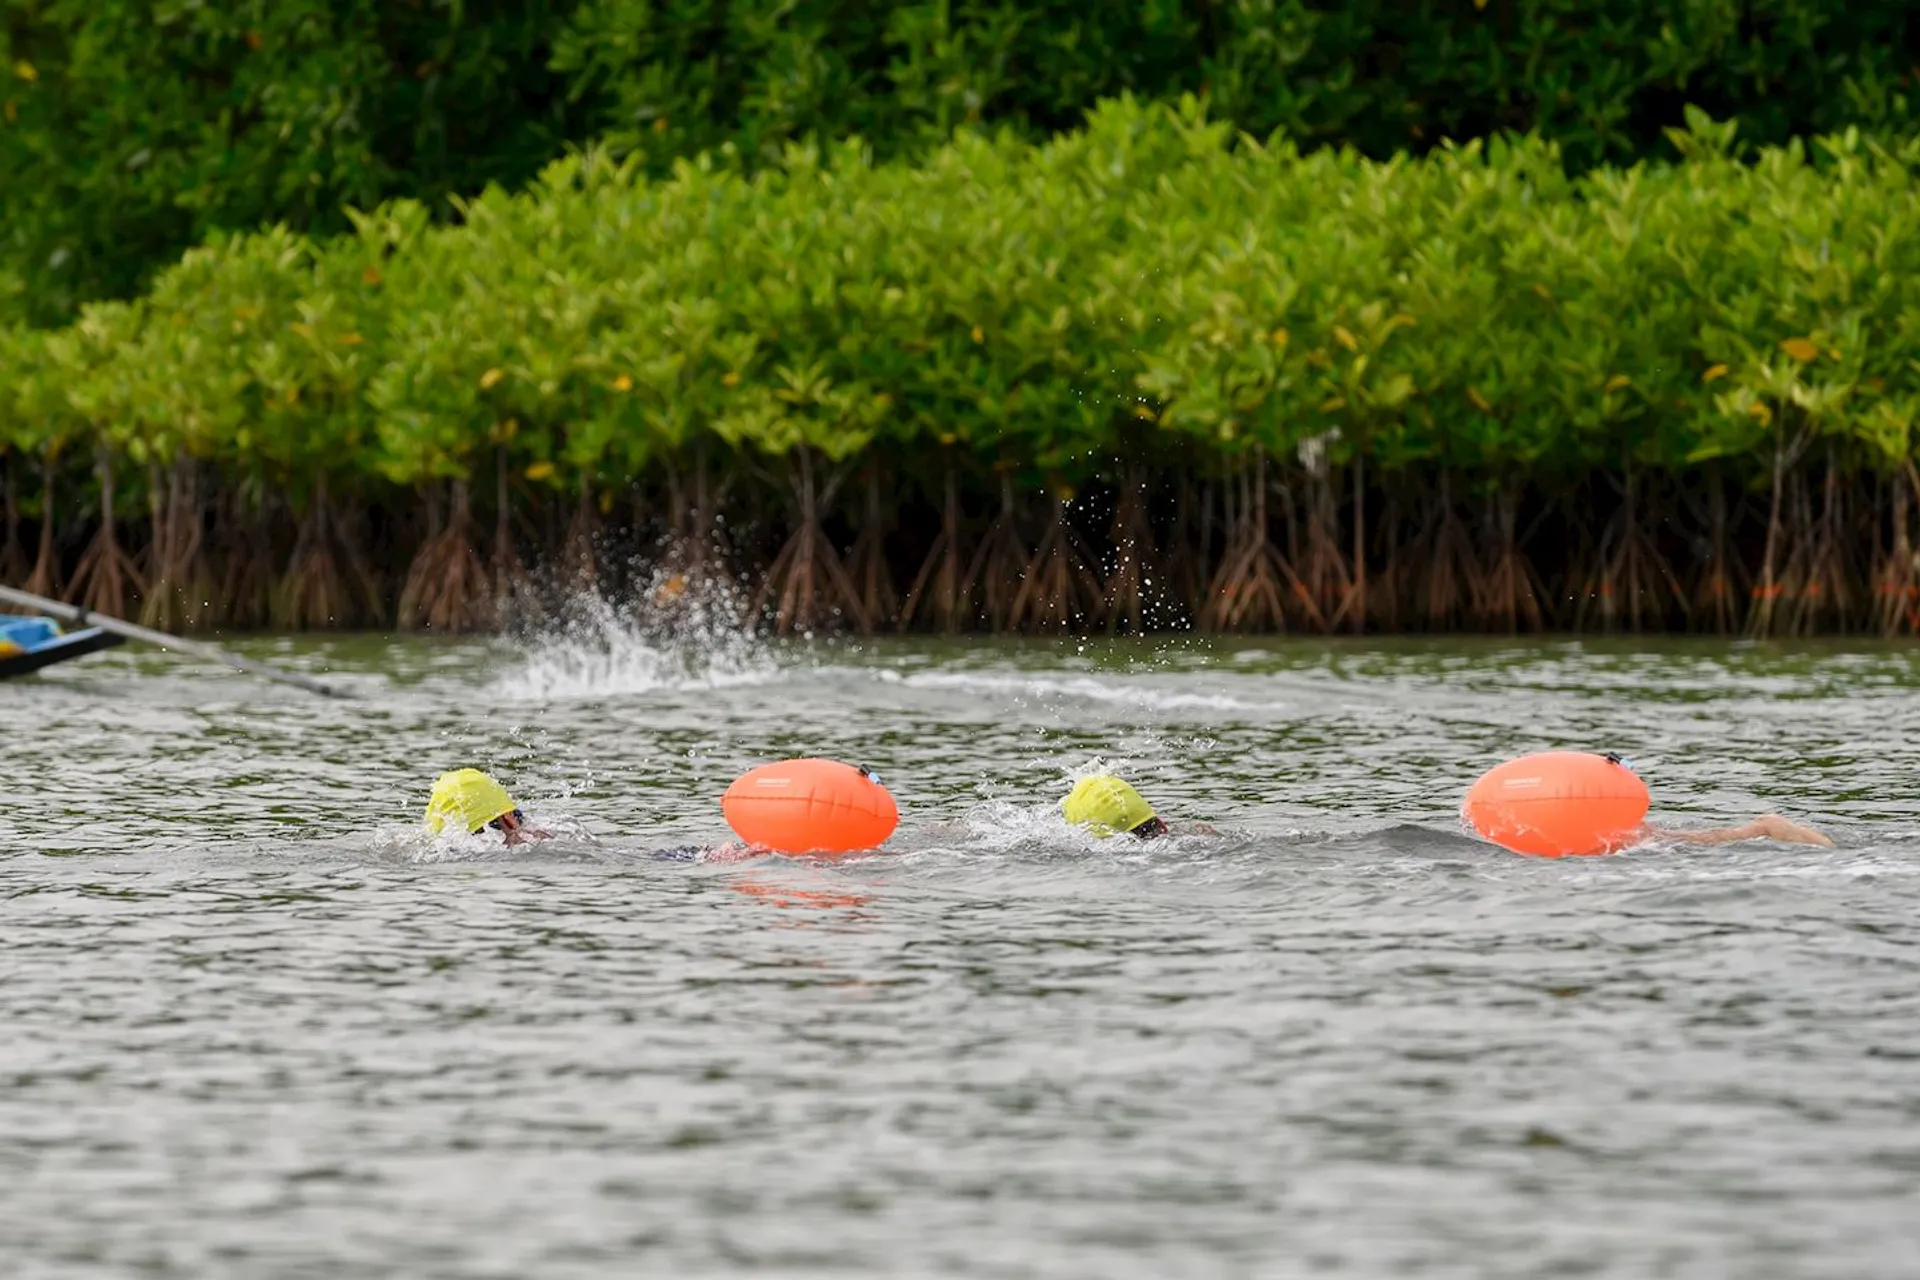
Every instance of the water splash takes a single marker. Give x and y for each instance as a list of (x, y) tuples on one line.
[(674, 634)]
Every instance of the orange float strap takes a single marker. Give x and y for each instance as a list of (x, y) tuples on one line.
[(810, 806), (1558, 804)]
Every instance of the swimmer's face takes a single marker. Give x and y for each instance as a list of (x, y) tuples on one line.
[(510, 823), (1151, 829)]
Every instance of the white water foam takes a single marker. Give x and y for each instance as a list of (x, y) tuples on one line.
[(1124, 692), (673, 636)]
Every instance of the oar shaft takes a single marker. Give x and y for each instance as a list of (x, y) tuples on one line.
[(133, 631)]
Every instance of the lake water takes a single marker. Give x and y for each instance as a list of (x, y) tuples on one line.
[(255, 1025)]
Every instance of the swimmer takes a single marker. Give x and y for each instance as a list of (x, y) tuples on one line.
[(731, 851), (471, 801), (1106, 806), (1768, 826)]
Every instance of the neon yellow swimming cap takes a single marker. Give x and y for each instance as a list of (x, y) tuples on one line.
[(1105, 806), (467, 798)]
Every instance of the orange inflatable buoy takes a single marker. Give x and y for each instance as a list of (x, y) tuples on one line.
[(810, 806), (1558, 804)]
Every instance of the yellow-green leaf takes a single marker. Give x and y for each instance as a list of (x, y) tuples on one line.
[(26, 71), (1345, 338), (1618, 381), (540, 471), (490, 378), (1713, 372), (1801, 349)]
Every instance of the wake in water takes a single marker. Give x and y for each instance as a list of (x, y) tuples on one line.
[(674, 633)]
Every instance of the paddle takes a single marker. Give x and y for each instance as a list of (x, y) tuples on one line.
[(76, 616)]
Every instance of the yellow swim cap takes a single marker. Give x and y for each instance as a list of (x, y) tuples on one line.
[(468, 799), (1105, 806)]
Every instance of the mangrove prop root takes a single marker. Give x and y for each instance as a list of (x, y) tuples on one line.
[(1325, 574), (106, 576), (1511, 591), (181, 598), (697, 552), (1720, 580), (45, 580), (1829, 549), (1188, 546), (807, 584), (13, 564), (867, 562), (244, 560), (1825, 578), (1249, 590), (1896, 586), (1355, 605), (993, 576), (1632, 579), (1058, 589), (14, 567), (1451, 581), (939, 579), (1390, 584), (448, 588), (1771, 587), (579, 555), (512, 584), (1134, 556), (327, 584)]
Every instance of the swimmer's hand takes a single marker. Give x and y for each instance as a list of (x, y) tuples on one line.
[(526, 835), (1196, 829)]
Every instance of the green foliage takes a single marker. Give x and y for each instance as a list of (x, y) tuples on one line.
[(130, 130), (680, 76), (1147, 283)]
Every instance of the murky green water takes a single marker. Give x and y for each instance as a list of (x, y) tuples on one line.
[(256, 1026)]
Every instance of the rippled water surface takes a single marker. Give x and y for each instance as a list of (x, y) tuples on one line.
[(256, 1025)]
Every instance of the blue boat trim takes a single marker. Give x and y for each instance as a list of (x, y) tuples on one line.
[(43, 646)]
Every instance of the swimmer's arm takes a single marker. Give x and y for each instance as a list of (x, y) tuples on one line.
[(1769, 826), (1196, 829)]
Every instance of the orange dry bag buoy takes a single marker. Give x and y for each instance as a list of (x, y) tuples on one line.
[(810, 806), (1558, 804)]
